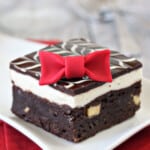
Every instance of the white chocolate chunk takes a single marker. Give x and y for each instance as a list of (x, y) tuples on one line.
[(27, 109), (136, 99), (93, 111)]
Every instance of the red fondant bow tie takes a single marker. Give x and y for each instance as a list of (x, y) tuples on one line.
[(95, 65)]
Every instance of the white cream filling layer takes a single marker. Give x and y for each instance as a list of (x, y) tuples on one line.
[(28, 83)]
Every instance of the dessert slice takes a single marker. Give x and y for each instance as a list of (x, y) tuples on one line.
[(75, 109)]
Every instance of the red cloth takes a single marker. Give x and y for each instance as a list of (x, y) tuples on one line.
[(95, 65), (11, 139), (140, 141), (2, 138)]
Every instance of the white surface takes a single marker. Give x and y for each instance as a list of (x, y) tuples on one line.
[(106, 140), (28, 83)]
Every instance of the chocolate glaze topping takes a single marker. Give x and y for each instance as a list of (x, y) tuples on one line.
[(30, 65)]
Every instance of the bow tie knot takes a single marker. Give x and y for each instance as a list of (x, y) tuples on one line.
[(95, 65), (74, 67)]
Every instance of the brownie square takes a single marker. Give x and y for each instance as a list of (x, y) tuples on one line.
[(75, 109)]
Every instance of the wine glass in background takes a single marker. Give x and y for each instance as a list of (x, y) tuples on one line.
[(89, 12)]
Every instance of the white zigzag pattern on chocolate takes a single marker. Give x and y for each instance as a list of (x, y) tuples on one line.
[(71, 48)]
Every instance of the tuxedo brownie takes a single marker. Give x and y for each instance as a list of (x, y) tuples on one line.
[(75, 109)]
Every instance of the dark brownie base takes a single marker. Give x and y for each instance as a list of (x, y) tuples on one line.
[(74, 124)]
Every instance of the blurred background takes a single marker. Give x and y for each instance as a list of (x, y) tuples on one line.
[(122, 25)]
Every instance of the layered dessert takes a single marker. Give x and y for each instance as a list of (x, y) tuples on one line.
[(77, 108)]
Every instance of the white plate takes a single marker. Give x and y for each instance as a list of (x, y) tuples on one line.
[(105, 140)]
